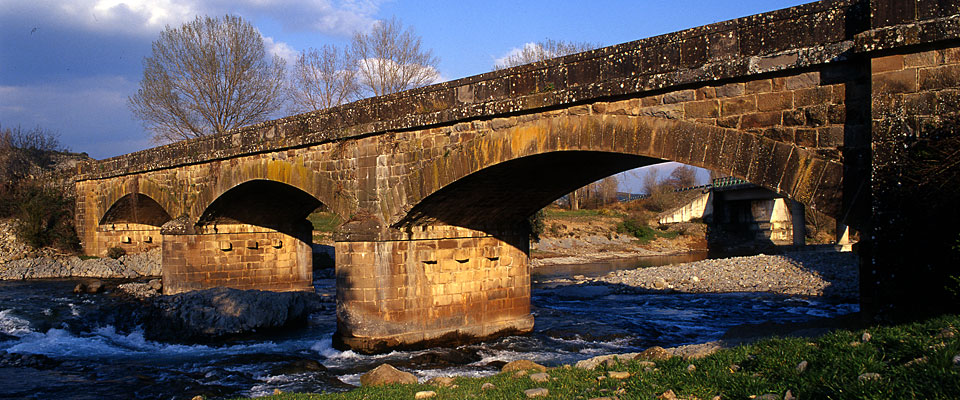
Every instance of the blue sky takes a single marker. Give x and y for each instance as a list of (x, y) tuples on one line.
[(69, 65)]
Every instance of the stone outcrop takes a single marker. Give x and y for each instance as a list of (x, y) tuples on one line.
[(220, 313)]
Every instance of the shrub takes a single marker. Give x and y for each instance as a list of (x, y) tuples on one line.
[(537, 225), (116, 252), (638, 229), (44, 217)]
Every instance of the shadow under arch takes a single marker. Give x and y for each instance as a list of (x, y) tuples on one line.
[(269, 204), (135, 208), (573, 150), (506, 194)]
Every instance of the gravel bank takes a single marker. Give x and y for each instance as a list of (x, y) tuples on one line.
[(823, 274), (128, 266)]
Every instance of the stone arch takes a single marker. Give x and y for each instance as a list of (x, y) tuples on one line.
[(136, 208), (114, 198), (265, 203), (615, 143), (293, 173)]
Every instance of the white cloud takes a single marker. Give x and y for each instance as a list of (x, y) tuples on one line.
[(147, 17), (280, 49), (515, 52)]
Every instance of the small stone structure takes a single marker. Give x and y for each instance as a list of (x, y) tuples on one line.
[(435, 183)]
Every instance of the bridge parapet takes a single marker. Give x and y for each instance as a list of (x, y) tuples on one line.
[(799, 37)]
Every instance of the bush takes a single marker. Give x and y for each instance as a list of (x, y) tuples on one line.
[(116, 252), (638, 229), (643, 232), (537, 225), (44, 217)]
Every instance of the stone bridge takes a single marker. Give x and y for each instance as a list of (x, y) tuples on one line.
[(435, 184)]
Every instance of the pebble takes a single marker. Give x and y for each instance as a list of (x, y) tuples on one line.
[(536, 392), (426, 394), (540, 377), (691, 368), (487, 386), (618, 375), (668, 395), (869, 376), (441, 381)]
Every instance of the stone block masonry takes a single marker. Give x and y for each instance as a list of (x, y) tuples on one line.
[(427, 292), (434, 184), (246, 258)]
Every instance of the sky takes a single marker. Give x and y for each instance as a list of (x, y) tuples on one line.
[(69, 66)]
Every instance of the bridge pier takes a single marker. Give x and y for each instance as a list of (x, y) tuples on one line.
[(236, 255), (439, 285)]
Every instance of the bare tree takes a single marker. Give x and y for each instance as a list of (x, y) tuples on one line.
[(390, 59), (323, 78), (683, 176), (23, 152), (543, 50), (208, 76)]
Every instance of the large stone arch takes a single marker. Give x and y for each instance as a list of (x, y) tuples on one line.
[(231, 174), (626, 141)]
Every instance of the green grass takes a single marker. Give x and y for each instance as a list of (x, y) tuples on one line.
[(582, 213), (324, 221), (835, 361)]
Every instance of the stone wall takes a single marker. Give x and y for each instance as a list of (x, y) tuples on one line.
[(421, 292), (240, 257), (132, 238), (914, 93)]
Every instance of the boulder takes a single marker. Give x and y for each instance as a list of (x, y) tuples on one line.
[(654, 353), (298, 367), (522, 365), (90, 286), (592, 363), (386, 374), (224, 312)]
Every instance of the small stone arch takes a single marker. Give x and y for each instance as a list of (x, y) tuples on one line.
[(136, 208), (133, 190)]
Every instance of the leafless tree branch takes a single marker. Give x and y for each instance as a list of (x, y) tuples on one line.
[(208, 76)]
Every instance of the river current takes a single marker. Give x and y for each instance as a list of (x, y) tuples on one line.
[(93, 359)]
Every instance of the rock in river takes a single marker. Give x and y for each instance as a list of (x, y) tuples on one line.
[(222, 312)]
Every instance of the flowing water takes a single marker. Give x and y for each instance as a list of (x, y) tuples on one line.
[(92, 358)]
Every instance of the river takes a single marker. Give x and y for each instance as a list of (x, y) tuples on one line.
[(94, 355)]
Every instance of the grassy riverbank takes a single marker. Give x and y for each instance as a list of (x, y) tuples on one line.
[(916, 360)]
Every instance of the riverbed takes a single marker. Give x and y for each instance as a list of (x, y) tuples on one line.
[(86, 350)]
